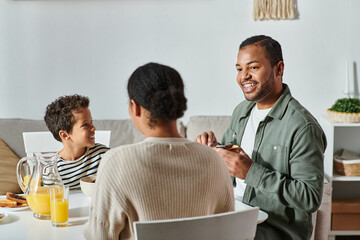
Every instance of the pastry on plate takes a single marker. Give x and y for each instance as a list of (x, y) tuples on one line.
[(15, 198), (7, 203)]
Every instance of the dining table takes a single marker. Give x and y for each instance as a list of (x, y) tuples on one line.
[(22, 225)]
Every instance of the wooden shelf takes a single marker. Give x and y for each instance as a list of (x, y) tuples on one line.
[(335, 124), (344, 233), (337, 177), (346, 124), (341, 136)]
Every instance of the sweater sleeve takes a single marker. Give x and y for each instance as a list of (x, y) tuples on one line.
[(97, 228)]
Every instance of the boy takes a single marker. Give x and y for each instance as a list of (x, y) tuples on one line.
[(69, 119)]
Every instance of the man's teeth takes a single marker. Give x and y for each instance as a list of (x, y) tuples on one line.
[(249, 85), (92, 137)]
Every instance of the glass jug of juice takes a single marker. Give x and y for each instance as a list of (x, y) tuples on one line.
[(35, 175)]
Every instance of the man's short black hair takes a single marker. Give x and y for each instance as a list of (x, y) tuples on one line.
[(272, 48)]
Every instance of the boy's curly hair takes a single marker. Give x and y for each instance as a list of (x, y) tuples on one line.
[(59, 114)]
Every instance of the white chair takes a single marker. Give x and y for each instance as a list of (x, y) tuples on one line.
[(42, 142), (239, 225)]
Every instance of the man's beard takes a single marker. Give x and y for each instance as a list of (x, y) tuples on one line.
[(262, 91)]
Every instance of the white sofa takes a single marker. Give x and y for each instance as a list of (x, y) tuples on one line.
[(124, 132)]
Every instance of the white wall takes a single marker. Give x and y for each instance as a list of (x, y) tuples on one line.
[(50, 48)]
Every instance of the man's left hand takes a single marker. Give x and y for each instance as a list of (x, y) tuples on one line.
[(238, 162)]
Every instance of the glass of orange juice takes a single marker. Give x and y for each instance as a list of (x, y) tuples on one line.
[(59, 205)]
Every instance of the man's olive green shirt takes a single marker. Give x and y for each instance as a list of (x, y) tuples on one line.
[(286, 177)]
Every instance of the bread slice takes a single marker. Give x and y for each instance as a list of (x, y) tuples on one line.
[(7, 203), (15, 198)]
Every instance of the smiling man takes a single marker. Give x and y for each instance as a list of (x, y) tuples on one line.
[(279, 166)]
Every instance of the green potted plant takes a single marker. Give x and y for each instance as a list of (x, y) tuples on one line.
[(345, 110)]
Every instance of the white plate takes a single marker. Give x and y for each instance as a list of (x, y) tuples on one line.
[(3, 216), (239, 205), (13, 209), (262, 216)]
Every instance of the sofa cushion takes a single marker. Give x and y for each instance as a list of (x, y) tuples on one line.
[(199, 124), (8, 163), (123, 131), (12, 129)]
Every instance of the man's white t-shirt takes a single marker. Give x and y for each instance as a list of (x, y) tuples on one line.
[(247, 142)]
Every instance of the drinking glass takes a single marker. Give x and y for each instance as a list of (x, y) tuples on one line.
[(59, 205)]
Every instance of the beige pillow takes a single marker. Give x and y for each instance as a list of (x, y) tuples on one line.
[(199, 124), (8, 163)]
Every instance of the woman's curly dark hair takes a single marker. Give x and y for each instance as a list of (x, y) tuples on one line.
[(160, 90), (59, 114)]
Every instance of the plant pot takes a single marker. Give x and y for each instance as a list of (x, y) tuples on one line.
[(342, 117)]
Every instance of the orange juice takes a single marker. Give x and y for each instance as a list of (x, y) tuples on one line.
[(39, 200), (26, 182), (59, 210), (27, 179), (59, 206)]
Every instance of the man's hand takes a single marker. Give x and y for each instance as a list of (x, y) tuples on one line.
[(238, 162), (207, 138)]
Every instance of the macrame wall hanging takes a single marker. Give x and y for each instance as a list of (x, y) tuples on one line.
[(274, 9)]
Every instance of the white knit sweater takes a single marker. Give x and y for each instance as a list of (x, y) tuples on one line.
[(158, 178)]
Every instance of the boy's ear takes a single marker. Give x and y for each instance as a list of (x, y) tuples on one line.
[(64, 135)]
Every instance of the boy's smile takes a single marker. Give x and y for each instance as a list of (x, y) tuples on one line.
[(83, 131)]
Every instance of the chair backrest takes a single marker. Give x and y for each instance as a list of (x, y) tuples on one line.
[(41, 142), (238, 225)]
